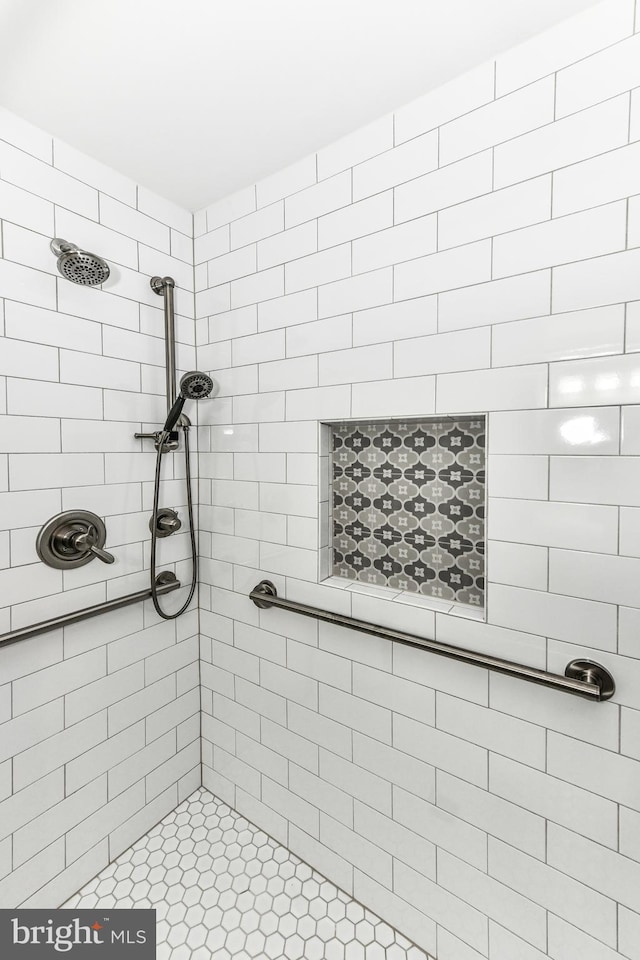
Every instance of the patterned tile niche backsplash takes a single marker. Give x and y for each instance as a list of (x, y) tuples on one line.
[(409, 505)]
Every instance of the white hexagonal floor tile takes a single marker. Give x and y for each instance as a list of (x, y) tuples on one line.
[(225, 890)]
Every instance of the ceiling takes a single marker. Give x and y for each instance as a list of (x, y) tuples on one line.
[(198, 98)]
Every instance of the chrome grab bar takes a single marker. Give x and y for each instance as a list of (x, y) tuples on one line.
[(167, 582), (582, 678)]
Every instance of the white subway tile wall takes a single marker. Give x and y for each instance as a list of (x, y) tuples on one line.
[(472, 254), (96, 720)]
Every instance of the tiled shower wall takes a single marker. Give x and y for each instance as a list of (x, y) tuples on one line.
[(99, 724), (473, 253)]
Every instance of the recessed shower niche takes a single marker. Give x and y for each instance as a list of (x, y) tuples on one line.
[(407, 505)]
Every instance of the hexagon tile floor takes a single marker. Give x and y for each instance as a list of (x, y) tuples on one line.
[(224, 890)]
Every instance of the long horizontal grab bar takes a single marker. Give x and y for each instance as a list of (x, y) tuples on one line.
[(167, 582), (582, 678)]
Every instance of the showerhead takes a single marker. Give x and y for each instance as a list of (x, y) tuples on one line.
[(193, 386), (78, 265)]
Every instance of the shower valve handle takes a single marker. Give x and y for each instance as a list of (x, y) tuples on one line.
[(72, 539), (85, 542), (170, 524)]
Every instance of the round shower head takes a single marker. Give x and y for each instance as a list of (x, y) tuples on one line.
[(195, 385), (78, 265)]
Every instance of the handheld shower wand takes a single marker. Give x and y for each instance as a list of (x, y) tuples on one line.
[(193, 386)]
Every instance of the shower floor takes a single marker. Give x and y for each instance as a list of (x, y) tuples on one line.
[(224, 890)]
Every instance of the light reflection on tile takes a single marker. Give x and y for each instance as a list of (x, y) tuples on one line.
[(603, 380)]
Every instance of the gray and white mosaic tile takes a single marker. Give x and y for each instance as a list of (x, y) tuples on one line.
[(224, 890), (409, 505)]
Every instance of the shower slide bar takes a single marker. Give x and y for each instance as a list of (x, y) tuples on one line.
[(582, 678), (167, 583)]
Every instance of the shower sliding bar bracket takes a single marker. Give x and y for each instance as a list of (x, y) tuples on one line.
[(171, 443), (582, 678), (166, 582)]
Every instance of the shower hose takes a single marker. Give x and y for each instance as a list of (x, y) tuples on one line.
[(164, 436)]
